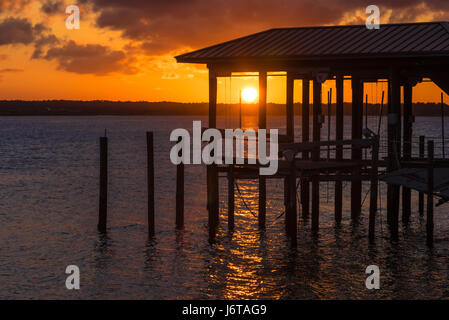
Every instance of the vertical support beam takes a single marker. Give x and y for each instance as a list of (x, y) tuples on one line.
[(339, 119), (429, 224), (292, 218), (291, 180), (150, 182), (316, 154), (421, 194), (394, 149), (103, 207), (262, 125), (180, 196), (374, 184), (212, 174), (290, 121), (356, 155), (407, 148), (305, 187), (231, 198)]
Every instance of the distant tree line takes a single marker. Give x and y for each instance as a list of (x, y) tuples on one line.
[(100, 107)]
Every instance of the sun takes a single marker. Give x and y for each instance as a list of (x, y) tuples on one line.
[(249, 95)]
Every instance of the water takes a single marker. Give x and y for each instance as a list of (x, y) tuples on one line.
[(48, 216)]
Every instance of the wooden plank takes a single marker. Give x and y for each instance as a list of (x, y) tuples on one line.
[(311, 146)]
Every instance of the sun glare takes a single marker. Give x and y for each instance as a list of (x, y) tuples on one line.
[(249, 95)]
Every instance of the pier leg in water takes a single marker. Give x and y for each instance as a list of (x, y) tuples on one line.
[(430, 179), (305, 183), (339, 118), (263, 125), (374, 184), (212, 174), (231, 203), (292, 220), (180, 196), (103, 207), (150, 181), (316, 156), (407, 149), (394, 151), (356, 154), (421, 194), (262, 202)]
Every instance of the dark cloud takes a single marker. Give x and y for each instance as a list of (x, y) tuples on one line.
[(13, 5), (9, 70), (90, 58), (15, 31), (52, 6), (163, 25), (42, 42)]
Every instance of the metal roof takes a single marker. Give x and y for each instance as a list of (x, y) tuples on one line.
[(408, 39)]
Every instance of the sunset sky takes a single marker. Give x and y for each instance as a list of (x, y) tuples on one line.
[(124, 49)]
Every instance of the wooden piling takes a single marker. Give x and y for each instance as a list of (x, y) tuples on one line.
[(356, 154), (103, 208), (292, 216), (394, 150), (150, 183), (262, 202), (263, 125), (442, 127), (231, 203), (180, 196), (373, 189), (339, 119), (305, 186), (407, 149), (290, 119), (316, 155), (430, 179), (421, 194), (212, 173)]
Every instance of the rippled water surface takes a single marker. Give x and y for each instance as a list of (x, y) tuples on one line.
[(48, 216)]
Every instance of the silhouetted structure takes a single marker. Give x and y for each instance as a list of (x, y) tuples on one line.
[(403, 54)]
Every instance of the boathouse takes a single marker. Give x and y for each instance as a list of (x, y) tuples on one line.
[(402, 54)]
